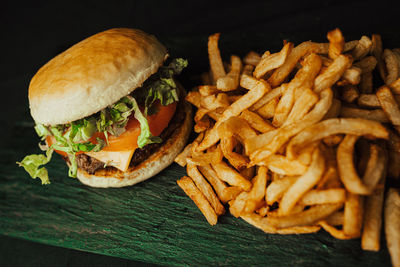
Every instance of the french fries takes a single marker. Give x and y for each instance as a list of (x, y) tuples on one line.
[(300, 139)]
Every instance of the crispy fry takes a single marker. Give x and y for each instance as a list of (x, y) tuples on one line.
[(392, 66), (231, 80), (268, 97), (315, 197), (395, 86), (362, 48), (368, 114), (231, 176), (392, 225), (238, 161), (257, 192), (368, 100), (375, 169), (336, 43), (303, 183), (277, 188), (347, 170), (198, 198), (352, 75), (366, 64), (282, 165), (236, 205), (389, 106), (252, 58), (213, 102), (205, 188), (256, 121), (339, 234), (350, 93), (353, 214), (366, 83), (306, 217), (262, 223), (373, 205), (206, 90), (213, 155), (325, 128), (272, 61), (332, 74), (214, 55), (334, 109), (214, 180)]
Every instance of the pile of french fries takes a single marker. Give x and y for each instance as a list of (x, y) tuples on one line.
[(300, 139)]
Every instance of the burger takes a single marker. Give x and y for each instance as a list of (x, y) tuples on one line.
[(111, 106)]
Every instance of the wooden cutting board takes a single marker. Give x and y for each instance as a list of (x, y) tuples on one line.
[(154, 221)]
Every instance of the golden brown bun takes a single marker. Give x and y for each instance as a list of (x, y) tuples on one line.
[(162, 158), (93, 74)]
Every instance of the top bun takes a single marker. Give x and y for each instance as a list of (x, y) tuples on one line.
[(93, 74)]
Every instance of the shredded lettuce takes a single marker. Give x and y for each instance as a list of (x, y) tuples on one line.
[(74, 137)]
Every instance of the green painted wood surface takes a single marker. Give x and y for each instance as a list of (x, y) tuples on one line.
[(153, 221)]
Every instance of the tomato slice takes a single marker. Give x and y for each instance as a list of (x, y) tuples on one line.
[(128, 140)]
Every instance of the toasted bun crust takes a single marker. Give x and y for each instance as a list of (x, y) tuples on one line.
[(93, 74), (162, 158)]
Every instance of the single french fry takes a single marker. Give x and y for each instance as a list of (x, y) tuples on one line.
[(214, 55), (198, 198), (349, 93), (231, 80), (347, 170), (252, 58), (368, 100), (353, 214), (392, 66), (318, 131), (368, 114), (307, 217), (362, 48), (272, 61), (316, 197), (373, 206), (257, 192), (392, 225), (389, 106), (336, 43)]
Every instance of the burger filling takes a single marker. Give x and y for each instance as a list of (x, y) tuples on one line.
[(125, 128), (91, 164)]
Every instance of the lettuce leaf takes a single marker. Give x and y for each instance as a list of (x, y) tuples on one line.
[(31, 164)]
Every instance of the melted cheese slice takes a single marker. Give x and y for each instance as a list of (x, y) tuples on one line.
[(117, 159)]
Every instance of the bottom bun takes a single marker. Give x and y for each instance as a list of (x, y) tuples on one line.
[(155, 163)]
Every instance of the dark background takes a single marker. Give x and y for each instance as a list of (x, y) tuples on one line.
[(33, 32)]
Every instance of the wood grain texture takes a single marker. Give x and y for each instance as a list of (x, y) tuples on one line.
[(152, 222)]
